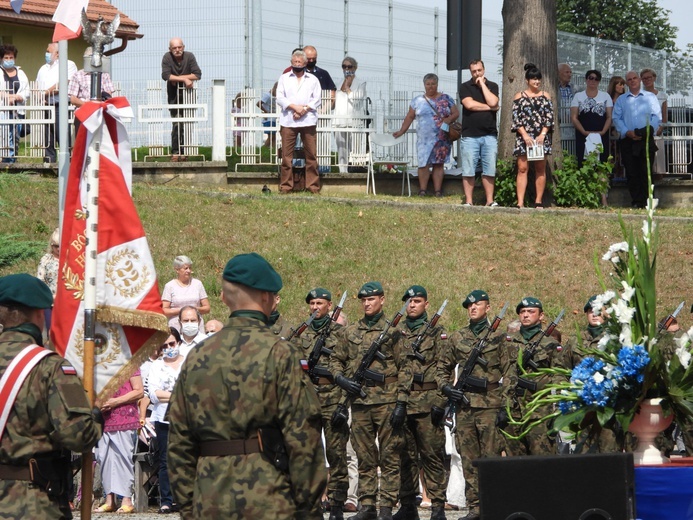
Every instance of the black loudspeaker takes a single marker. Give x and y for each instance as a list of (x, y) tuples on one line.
[(561, 487), (464, 33)]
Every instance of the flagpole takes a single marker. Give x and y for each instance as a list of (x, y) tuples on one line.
[(91, 251)]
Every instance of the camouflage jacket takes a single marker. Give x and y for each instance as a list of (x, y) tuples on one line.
[(328, 393), (571, 350), (281, 328), (354, 341), (549, 354), (50, 414), (460, 345), (433, 345), (239, 380)]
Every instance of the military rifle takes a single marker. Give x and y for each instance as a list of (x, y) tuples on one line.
[(666, 322), (466, 381), (363, 372), (319, 347), (295, 333), (528, 356), (420, 338)]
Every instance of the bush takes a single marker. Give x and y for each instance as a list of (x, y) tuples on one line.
[(14, 248), (582, 187), (506, 183)]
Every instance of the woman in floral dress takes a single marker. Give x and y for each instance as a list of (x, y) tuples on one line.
[(533, 123), (433, 112)]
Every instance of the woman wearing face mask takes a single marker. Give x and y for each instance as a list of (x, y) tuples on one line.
[(183, 290), (160, 381), (350, 102), (14, 92)]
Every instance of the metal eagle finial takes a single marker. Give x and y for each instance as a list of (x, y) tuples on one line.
[(99, 35)]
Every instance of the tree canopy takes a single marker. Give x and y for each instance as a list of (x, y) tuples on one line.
[(640, 22)]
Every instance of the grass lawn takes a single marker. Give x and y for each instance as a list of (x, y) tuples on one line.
[(341, 243)]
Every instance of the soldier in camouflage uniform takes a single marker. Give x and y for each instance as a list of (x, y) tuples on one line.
[(423, 440), (548, 354), (50, 416), (594, 438), (329, 394), (276, 321), (381, 414), (476, 434), (244, 418)]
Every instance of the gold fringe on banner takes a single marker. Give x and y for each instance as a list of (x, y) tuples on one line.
[(132, 318)]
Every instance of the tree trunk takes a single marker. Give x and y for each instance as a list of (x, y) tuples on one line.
[(529, 36)]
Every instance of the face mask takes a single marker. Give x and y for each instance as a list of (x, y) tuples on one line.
[(49, 58), (171, 353), (7, 64), (310, 64), (349, 73), (190, 329), (297, 69)]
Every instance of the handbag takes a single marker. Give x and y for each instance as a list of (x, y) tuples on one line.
[(454, 130)]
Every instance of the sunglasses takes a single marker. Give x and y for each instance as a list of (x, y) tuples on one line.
[(347, 66), (170, 344), (593, 78)]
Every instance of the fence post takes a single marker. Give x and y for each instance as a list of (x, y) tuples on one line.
[(219, 120)]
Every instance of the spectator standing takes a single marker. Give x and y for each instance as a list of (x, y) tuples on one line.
[(48, 78), (15, 93), (191, 329), (433, 112), (649, 76), (565, 89), (160, 382), (183, 290), (79, 89), (116, 447), (533, 120), (617, 86), (48, 267), (179, 69), (479, 99), (637, 115), (299, 97), (350, 102)]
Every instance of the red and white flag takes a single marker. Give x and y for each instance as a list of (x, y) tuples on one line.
[(129, 318), (68, 19)]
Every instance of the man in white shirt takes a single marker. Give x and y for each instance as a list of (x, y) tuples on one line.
[(190, 332), (48, 79), (299, 97)]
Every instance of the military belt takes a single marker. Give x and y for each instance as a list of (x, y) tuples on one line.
[(8, 472), (388, 380), (226, 448), (418, 387), (323, 381)]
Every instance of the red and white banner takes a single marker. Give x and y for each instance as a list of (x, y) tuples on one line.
[(68, 19), (129, 315)]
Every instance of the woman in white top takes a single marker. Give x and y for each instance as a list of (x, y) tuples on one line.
[(590, 113), (183, 290), (350, 102), (160, 382), (648, 77)]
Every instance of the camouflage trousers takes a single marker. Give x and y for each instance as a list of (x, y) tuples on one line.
[(536, 442), (476, 436), (424, 443), (335, 451), (368, 423)]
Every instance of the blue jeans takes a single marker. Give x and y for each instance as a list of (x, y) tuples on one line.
[(166, 497), (475, 148)]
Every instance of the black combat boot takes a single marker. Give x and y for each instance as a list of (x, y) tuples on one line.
[(385, 513), (472, 515), (407, 512), (336, 511), (366, 513), (437, 513)]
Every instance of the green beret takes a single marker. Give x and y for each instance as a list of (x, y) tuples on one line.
[(528, 302), (371, 289), (319, 292), (415, 290), (26, 290), (475, 296), (253, 271), (588, 305)]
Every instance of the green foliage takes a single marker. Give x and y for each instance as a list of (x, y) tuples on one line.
[(582, 187), (505, 193), (14, 248), (640, 22)]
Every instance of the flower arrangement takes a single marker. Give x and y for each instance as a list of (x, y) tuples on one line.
[(633, 360)]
